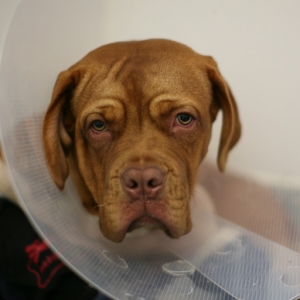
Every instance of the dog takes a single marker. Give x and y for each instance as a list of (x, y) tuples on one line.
[(131, 122)]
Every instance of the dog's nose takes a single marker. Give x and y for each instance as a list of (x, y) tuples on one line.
[(143, 183)]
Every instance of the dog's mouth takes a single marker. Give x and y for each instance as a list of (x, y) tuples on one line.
[(147, 222), (150, 215)]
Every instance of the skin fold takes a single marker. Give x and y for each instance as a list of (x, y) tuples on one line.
[(131, 123)]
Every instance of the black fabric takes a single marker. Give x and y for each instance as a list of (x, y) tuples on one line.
[(28, 268)]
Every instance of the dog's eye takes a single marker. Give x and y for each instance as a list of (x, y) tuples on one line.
[(184, 119), (98, 125)]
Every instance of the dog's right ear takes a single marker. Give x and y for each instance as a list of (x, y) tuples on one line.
[(56, 139), (224, 100)]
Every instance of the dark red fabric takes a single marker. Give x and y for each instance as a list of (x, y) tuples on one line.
[(28, 268)]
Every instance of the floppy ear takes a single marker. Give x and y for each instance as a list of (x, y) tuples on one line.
[(56, 139), (223, 99)]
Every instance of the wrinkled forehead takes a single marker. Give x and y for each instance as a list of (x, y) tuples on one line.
[(137, 75)]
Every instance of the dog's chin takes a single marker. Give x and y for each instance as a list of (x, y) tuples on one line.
[(142, 225), (147, 223), (151, 218)]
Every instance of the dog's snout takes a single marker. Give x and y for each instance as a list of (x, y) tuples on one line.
[(143, 183)]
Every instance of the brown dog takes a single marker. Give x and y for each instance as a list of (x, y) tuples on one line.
[(131, 122)]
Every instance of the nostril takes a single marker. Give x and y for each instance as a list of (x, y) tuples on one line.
[(132, 184), (143, 183), (151, 183), (154, 183)]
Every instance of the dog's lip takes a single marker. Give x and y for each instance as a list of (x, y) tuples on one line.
[(151, 223), (146, 221), (139, 214)]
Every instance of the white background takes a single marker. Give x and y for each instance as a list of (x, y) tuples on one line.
[(257, 46)]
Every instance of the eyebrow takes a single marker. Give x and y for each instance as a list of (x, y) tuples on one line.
[(183, 102), (177, 101), (104, 102), (109, 101), (168, 97), (100, 104)]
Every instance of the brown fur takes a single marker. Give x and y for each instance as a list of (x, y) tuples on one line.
[(137, 89)]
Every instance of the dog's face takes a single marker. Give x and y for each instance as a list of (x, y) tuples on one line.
[(132, 122)]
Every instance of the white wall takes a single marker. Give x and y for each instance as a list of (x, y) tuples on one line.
[(6, 9), (257, 46)]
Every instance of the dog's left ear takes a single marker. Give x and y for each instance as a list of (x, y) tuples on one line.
[(223, 99), (56, 139)]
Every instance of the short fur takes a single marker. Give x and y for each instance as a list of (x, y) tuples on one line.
[(138, 89)]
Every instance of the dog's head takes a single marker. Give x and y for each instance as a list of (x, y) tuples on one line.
[(132, 122)]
